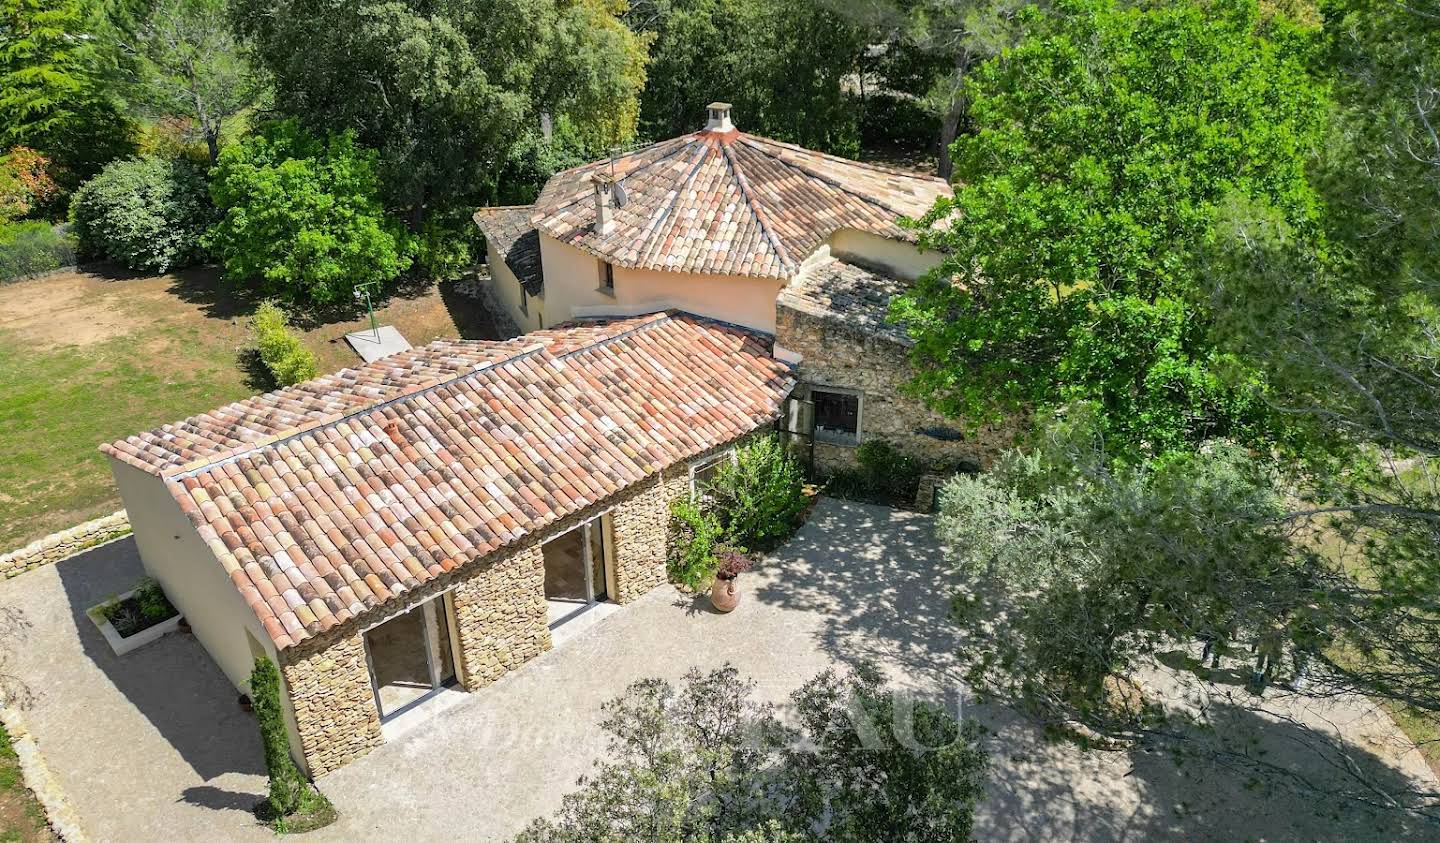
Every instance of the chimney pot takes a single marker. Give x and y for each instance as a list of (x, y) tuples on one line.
[(718, 119), (604, 202)]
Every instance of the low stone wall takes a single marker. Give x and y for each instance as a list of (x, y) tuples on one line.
[(59, 813), (66, 543), (840, 355)]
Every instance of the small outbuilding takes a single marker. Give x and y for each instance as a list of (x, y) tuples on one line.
[(425, 520)]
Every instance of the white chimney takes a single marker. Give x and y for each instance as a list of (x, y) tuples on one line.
[(719, 117), (604, 202)]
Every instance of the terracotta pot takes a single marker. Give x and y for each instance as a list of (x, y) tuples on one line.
[(724, 595)]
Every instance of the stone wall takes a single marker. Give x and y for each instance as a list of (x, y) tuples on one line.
[(66, 543), (500, 617), (329, 685), (835, 354), (642, 533)]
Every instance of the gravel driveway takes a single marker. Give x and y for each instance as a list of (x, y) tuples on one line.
[(155, 747)]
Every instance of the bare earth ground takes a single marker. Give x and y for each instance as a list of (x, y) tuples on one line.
[(152, 746), (89, 357)]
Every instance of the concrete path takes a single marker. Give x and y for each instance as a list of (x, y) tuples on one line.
[(153, 747)]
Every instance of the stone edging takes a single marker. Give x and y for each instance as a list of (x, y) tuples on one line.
[(58, 810), (66, 543)]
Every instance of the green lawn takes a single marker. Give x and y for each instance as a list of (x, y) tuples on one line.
[(86, 359)]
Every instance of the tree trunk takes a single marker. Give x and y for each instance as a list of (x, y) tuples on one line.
[(959, 104), (212, 141)]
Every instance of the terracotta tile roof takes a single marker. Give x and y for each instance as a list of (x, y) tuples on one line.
[(363, 485), (847, 294), (508, 228), (729, 203)]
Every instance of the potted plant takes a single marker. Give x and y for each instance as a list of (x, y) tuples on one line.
[(724, 596)]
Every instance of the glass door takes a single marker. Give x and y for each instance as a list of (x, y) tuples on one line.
[(410, 657)]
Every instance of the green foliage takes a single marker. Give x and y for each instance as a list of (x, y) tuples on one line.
[(293, 804), (302, 216), (883, 474), (147, 214), (190, 65), (696, 542), (32, 247), (781, 63), (1105, 142), (759, 496), (44, 69), (705, 762), (895, 120), (446, 91), (1097, 565), (146, 607), (283, 353), (444, 246)]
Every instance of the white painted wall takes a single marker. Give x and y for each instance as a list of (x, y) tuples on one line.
[(572, 281), (901, 259), (175, 555), (507, 291)]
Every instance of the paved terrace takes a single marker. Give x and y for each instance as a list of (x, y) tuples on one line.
[(154, 747)]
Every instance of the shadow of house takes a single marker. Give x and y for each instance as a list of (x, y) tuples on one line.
[(880, 581), (172, 682)]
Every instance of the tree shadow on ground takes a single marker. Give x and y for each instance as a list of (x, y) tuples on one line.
[(219, 799), (878, 578)]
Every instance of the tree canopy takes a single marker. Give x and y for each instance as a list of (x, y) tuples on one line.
[(1103, 144), (448, 91)]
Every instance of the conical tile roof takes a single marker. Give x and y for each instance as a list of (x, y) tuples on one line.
[(728, 203)]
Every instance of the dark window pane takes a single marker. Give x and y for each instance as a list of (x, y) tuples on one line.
[(836, 412)]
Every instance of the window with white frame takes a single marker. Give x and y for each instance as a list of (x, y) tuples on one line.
[(704, 472), (837, 414)]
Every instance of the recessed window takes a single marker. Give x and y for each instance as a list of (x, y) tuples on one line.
[(837, 415), (524, 301), (703, 474), (607, 277)]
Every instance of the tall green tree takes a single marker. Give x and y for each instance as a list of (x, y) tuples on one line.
[(782, 63), (44, 67), (1103, 144), (189, 65), (448, 91), (929, 49)]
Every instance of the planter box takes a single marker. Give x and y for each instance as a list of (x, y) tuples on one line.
[(148, 635)]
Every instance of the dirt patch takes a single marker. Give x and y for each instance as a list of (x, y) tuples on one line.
[(62, 309)]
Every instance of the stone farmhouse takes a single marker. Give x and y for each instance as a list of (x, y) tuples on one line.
[(423, 523), (795, 244)]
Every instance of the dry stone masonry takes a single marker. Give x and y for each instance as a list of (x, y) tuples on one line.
[(66, 543)]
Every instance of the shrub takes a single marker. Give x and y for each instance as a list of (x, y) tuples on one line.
[(302, 216), (147, 214), (897, 120), (759, 496), (292, 804), (444, 247), (32, 248), (287, 358), (695, 550), (884, 474), (25, 182), (707, 761)]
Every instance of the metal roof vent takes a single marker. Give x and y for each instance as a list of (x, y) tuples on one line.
[(719, 117)]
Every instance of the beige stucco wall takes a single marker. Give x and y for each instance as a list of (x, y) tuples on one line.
[(507, 292), (175, 555), (572, 281), (896, 257)]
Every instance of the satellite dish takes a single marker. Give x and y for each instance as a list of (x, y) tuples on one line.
[(621, 197)]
